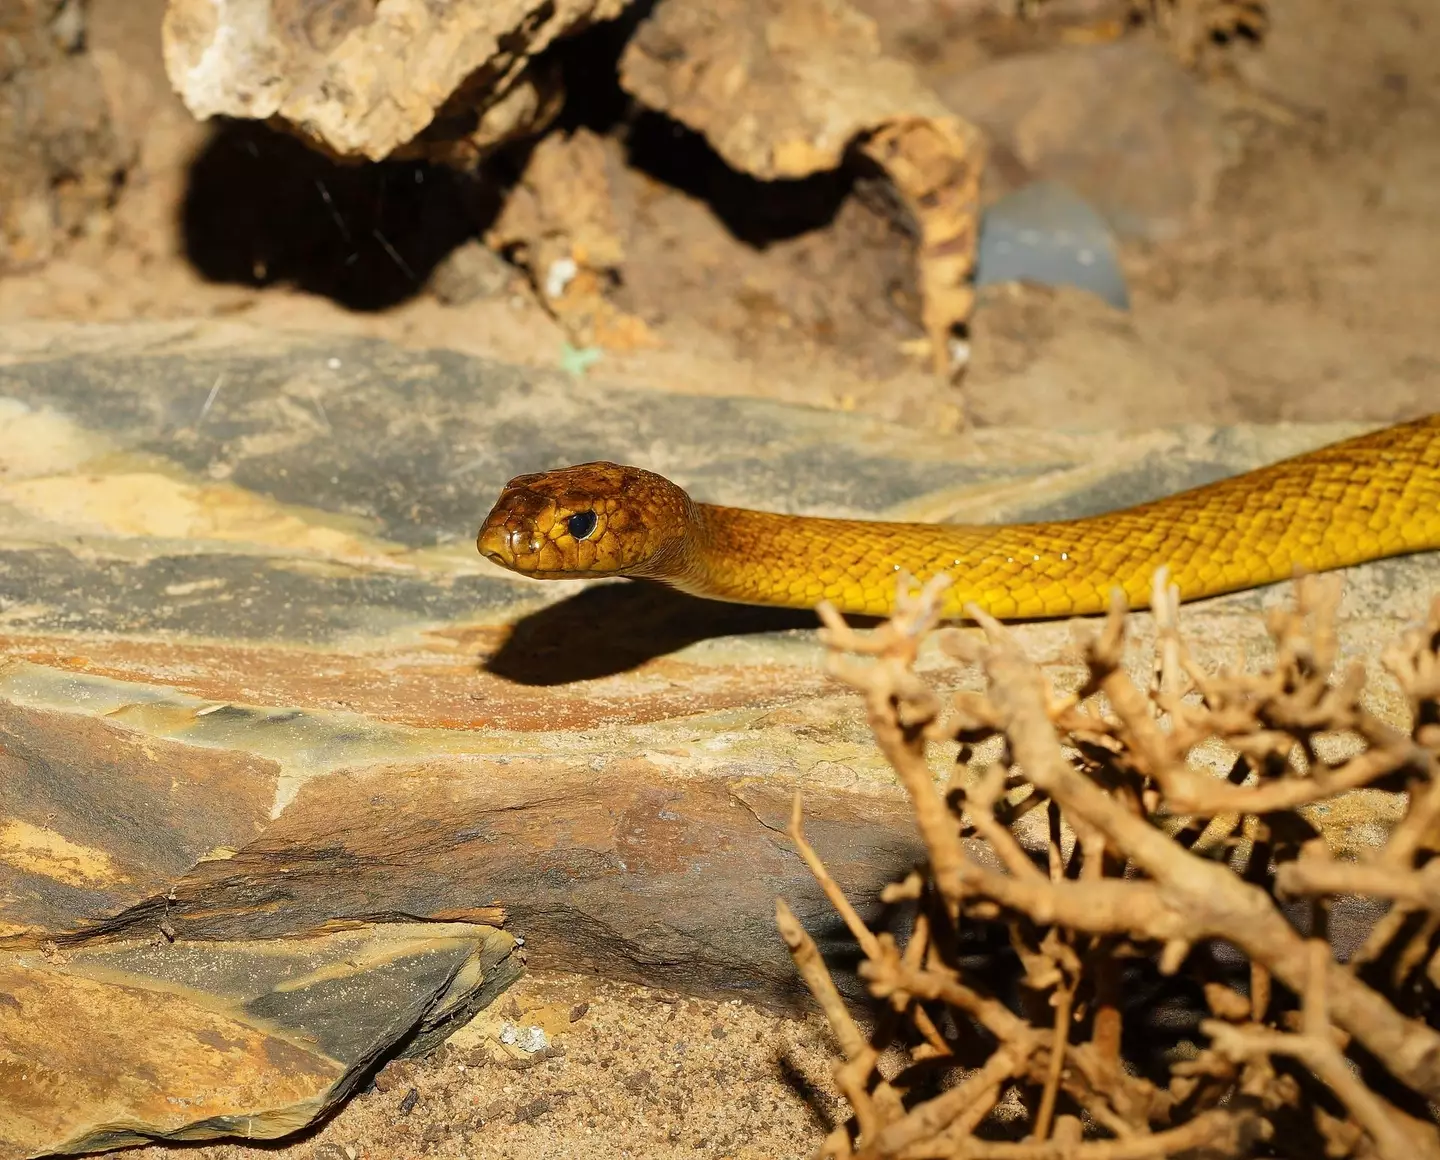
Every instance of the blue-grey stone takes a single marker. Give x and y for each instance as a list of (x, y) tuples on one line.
[(1047, 234)]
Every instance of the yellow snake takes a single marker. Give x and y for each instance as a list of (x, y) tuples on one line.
[(1366, 498)]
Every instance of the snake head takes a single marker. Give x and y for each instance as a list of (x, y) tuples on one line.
[(594, 519)]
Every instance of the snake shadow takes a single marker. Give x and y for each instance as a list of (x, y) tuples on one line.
[(614, 628)]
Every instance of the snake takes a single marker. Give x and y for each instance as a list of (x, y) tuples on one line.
[(1370, 497)]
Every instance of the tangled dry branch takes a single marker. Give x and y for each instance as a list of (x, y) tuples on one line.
[(1294, 1052)]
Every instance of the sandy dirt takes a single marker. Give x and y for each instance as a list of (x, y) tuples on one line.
[(1306, 289), (624, 1072)]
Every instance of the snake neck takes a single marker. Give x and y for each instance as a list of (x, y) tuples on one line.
[(1366, 498), (758, 557), (722, 544)]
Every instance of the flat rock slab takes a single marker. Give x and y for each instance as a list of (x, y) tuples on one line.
[(257, 685), (119, 1044)]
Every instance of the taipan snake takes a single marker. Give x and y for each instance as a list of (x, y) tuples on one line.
[(1366, 498)]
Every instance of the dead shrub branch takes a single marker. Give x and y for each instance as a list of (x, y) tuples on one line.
[(1300, 1054)]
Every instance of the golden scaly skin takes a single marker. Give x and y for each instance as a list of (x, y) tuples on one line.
[(1367, 498)]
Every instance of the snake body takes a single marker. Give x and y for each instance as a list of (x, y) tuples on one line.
[(1367, 498)]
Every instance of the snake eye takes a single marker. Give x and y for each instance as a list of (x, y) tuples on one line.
[(581, 524)]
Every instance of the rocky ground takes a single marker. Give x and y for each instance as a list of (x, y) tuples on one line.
[(1279, 218)]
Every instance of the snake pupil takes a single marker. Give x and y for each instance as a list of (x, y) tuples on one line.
[(581, 524)]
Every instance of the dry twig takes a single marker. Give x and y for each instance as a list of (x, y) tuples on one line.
[(1114, 764)]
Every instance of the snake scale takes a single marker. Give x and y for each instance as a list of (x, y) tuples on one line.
[(1366, 498)]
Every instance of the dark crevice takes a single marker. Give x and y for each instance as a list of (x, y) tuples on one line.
[(589, 65), (264, 209), (757, 212)]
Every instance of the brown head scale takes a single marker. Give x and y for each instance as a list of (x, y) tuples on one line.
[(594, 519)]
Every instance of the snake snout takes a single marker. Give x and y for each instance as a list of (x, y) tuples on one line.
[(495, 545), (507, 545), (513, 533)]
